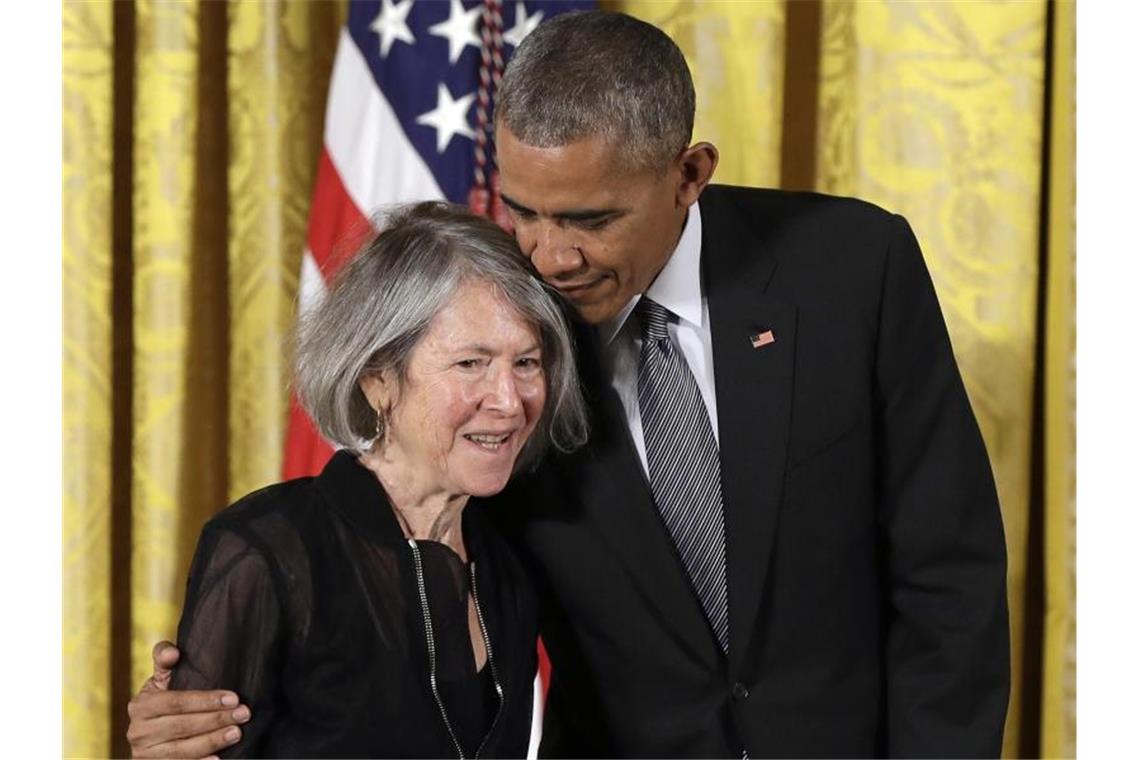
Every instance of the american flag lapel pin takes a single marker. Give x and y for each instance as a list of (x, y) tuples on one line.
[(761, 339)]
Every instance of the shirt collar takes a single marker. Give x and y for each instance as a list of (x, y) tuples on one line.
[(677, 286)]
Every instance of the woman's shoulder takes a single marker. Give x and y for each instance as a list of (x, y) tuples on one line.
[(271, 520), (286, 496)]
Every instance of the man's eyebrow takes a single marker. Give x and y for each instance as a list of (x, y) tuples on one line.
[(572, 215), (515, 204), (589, 214)]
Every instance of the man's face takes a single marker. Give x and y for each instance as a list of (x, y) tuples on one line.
[(595, 230)]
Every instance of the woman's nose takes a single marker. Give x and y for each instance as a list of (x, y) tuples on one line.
[(503, 393)]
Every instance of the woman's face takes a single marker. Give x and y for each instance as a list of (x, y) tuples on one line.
[(474, 391)]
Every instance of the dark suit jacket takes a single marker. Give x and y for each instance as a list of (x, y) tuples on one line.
[(866, 558)]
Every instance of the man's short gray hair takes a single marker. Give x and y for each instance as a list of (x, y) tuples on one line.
[(383, 302), (595, 73)]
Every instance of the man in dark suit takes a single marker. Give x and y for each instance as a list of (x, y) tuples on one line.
[(784, 538), (862, 543)]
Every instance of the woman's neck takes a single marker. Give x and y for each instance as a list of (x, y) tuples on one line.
[(423, 511)]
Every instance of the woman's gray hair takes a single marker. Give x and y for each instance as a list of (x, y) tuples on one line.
[(384, 299)]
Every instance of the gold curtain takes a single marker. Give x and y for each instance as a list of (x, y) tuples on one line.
[(191, 132), (947, 100), (87, 335), (1059, 650), (959, 116), (191, 135), (736, 53)]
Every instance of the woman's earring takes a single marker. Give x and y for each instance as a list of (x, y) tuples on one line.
[(379, 426)]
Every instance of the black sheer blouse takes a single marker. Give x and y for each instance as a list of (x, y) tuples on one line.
[(304, 598)]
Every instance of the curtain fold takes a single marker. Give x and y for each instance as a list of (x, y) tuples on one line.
[(88, 66), (279, 59), (223, 117), (934, 110), (736, 54), (179, 305), (1059, 653), (187, 186)]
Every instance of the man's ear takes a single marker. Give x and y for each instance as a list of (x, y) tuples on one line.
[(697, 164)]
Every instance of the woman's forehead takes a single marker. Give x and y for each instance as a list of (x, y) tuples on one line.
[(480, 313)]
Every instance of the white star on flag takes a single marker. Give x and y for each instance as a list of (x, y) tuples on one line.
[(449, 118), (460, 29), (523, 25), (392, 25)]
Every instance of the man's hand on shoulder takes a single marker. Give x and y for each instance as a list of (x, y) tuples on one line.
[(167, 723)]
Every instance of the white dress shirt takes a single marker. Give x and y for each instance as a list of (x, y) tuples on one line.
[(679, 289)]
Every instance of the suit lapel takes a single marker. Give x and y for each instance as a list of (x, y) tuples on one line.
[(754, 401), (620, 504)]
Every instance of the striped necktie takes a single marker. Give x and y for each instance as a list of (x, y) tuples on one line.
[(684, 463)]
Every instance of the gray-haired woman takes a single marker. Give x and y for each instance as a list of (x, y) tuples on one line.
[(372, 611)]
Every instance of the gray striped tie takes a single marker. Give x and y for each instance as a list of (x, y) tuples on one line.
[(684, 464)]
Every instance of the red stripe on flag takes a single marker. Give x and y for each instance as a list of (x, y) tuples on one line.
[(336, 229), (336, 226), (306, 452)]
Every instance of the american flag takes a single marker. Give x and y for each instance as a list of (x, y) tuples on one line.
[(761, 339), (406, 120)]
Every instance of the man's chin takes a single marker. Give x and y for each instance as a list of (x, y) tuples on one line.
[(597, 312)]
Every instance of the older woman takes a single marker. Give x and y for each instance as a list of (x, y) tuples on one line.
[(372, 610)]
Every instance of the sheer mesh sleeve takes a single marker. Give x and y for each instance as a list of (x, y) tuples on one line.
[(231, 630)]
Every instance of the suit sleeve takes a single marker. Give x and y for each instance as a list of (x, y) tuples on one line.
[(231, 630), (947, 647)]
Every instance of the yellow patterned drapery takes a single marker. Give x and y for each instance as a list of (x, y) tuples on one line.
[(1059, 648), (87, 335), (191, 133), (175, 443), (191, 136), (934, 110), (280, 56), (736, 54)]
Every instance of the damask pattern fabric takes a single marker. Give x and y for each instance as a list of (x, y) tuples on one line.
[(1059, 656), (87, 357), (908, 120), (932, 109), (198, 196), (735, 51)]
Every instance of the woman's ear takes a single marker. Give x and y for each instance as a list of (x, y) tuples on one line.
[(378, 390)]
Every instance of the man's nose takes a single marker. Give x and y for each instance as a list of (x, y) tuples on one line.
[(554, 252)]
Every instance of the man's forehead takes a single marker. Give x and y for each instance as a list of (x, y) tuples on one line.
[(572, 204), (588, 153), (557, 195), (583, 180)]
